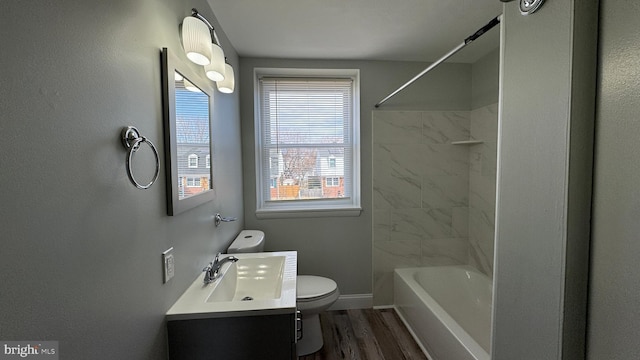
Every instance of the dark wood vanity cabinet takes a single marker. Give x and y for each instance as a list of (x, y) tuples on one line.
[(264, 337)]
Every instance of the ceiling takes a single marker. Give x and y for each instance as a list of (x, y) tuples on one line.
[(404, 30)]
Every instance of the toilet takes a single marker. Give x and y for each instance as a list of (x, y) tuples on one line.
[(315, 294)]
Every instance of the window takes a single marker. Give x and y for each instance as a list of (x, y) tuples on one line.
[(208, 160), (332, 181), (307, 128), (192, 161), (193, 182)]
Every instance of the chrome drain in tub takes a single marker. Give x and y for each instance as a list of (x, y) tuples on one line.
[(247, 298)]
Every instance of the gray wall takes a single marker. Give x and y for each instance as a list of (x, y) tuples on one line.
[(81, 246), (544, 181), (485, 79), (340, 248), (614, 319)]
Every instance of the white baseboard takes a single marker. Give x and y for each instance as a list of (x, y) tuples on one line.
[(353, 301), (382, 307)]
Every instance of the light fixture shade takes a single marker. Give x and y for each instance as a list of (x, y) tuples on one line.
[(190, 86), (196, 40), (229, 83), (215, 70)]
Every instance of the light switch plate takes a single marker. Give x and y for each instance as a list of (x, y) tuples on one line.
[(168, 264)]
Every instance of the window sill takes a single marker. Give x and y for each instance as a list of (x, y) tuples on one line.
[(308, 213)]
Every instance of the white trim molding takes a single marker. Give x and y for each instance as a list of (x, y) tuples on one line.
[(353, 301)]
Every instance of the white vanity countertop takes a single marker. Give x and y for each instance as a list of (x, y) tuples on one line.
[(194, 304)]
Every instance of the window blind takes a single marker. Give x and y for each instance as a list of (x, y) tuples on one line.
[(306, 137)]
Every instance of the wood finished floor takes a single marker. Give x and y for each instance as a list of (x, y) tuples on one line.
[(365, 334)]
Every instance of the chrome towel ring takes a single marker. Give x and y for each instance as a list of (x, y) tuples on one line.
[(131, 139)]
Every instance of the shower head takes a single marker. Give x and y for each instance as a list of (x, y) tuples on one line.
[(527, 6)]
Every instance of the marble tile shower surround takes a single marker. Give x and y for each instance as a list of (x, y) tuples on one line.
[(428, 194), (482, 187)]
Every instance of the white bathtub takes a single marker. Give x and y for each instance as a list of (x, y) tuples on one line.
[(448, 308)]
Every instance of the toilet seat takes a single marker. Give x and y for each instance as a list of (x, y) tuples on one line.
[(315, 294), (310, 288)]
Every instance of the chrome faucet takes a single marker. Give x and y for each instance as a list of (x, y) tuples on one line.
[(212, 271)]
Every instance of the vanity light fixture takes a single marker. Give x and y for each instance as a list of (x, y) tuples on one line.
[(229, 83), (216, 68), (189, 86), (196, 40)]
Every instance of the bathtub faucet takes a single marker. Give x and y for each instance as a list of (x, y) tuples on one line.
[(212, 271)]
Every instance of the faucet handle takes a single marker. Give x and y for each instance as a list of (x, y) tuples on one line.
[(213, 263), (208, 267)]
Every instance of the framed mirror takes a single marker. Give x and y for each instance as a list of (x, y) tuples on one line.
[(187, 107)]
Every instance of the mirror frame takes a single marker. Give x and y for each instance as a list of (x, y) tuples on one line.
[(170, 65)]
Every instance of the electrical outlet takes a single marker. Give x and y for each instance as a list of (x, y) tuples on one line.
[(168, 265)]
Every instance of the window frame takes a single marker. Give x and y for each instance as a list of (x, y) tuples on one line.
[(314, 207), (191, 157)]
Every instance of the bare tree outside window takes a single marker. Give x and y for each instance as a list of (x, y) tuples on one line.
[(298, 164)]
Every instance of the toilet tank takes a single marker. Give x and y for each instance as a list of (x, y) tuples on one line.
[(248, 241)]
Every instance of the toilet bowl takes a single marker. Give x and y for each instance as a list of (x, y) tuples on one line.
[(314, 294)]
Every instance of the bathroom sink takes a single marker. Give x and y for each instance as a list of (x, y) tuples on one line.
[(250, 279), (261, 283)]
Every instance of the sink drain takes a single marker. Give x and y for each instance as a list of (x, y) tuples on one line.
[(247, 298)]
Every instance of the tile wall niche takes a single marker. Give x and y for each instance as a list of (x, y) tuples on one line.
[(433, 201)]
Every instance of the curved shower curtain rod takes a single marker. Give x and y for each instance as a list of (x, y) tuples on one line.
[(495, 21)]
